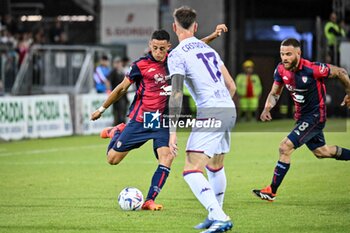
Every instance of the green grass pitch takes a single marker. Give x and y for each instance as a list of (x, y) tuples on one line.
[(65, 185)]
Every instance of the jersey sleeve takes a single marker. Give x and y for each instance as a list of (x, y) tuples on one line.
[(220, 62), (176, 64), (134, 73), (277, 77), (320, 70)]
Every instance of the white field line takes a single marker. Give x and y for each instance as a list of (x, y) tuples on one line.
[(46, 151)]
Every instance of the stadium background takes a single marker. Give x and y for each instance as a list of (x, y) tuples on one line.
[(63, 184)]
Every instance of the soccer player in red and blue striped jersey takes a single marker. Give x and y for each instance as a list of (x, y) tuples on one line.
[(305, 82), (149, 74)]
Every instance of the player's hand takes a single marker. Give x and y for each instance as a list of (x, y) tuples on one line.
[(219, 29), (173, 144), (346, 101), (265, 116), (95, 115)]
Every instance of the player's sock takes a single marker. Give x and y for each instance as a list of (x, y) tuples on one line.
[(342, 154), (279, 173), (204, 193), (158, 180), (217, 180)]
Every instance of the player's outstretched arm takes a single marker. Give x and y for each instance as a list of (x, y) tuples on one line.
[(220, 28), (175, 104), (230, 84), (115, 95), (343, 76), (271, 101)]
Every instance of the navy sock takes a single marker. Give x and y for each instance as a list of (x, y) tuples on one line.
[(158, 180), (279, 173), (342, 154)]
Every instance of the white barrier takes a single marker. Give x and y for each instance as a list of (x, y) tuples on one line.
[(345, 55), (85, 104), (35, 116)]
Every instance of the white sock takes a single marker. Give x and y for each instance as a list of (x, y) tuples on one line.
[(217, 180), (205, 194)]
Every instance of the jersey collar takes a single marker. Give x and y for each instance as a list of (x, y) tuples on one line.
[(301, 63)]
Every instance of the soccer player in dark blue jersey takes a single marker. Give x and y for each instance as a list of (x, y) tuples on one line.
[(149, 73), (305, 82)]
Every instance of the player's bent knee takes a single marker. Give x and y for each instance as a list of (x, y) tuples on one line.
[(284, 149), (113, 158), (166, 160), (165, 157)]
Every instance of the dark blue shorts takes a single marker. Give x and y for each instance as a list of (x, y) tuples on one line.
[(135, 135), (308, 131)]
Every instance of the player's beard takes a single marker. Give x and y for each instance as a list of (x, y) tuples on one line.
[(293, 64)]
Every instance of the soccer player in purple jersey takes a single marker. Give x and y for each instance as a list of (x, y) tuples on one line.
[(149, 74), (305, 82), (205, 75)]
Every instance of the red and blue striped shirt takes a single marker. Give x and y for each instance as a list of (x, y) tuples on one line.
[(306, 87), (152, 86)]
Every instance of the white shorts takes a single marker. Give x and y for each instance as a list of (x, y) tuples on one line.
[(212, 142)]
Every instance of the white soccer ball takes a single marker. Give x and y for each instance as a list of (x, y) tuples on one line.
[(130, 198)]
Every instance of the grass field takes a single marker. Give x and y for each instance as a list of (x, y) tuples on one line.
[(65, 185)]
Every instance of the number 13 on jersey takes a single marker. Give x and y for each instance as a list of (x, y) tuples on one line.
[(210, 57)]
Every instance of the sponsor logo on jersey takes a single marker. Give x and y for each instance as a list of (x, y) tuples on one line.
[(304, 79), (298, 98), (159, 78), (291, 88), (151, 69), (285, 78), (166, 90), (323, 69)]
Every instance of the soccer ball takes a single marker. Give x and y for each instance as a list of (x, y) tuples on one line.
[(130, 198)]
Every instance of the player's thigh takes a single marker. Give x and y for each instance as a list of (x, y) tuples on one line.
[(325, 151)]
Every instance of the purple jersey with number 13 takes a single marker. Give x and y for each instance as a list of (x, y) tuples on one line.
[(200, 64)]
